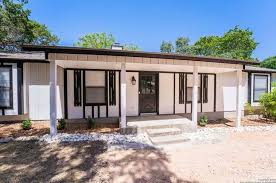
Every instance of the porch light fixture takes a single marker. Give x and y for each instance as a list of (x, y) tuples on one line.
[(133, 80)]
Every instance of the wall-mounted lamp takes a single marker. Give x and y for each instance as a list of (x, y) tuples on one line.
[(133, 80)]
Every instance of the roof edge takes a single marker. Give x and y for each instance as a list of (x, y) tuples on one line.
[(93, 51)]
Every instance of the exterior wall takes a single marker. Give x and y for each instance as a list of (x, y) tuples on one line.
[(14, 110), (166, 94), (132, 99), (37, 91), (227, 91)]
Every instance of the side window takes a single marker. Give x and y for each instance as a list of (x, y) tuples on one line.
[(260, 86), (181, 88), (6, 95)]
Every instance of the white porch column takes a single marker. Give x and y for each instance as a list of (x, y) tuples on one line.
[(53, 98), (239, 99), (123, 96), (195, 97)]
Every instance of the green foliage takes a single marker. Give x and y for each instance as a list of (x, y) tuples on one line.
[(16, 28), (249, 109), (236, 43), (26, 124), (61, 124), (203, 120), (268, 104), (131, 47), (96, 40), (182, 45), (269, 63), (91, 123), (166, 47)]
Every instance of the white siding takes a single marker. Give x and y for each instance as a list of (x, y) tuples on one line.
[(37, 89), (166, 93), (132, 94), (226, 91)]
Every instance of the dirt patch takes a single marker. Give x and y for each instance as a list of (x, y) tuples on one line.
[(42, 128), (245, 122), (242, 156)]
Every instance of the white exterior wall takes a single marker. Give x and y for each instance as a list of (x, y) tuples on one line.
[(226, 91), (14, 110), (37, 91), (132, 103), (166, 93)]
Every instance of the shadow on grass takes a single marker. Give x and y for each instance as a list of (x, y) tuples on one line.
[(31, 161)]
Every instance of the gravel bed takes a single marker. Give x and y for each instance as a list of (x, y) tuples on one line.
[(113, 140)]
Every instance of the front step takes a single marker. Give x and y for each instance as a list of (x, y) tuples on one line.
[(168, 139), (163, 132)]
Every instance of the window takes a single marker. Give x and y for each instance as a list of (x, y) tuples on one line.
[(112, 88), (77, 87), (202, 90), (260, 86), (6, 99), (95, 88)]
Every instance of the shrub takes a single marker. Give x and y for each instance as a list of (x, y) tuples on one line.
[(61, 124), (91, 123), (203, 120), (268, 104), (26, 124), (249, 109)]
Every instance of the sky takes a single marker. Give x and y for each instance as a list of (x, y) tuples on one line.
[(147, 23)]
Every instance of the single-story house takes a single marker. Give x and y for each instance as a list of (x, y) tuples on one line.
[(51, 82)]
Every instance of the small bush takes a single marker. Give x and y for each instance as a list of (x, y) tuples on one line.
[(203, 120), (268, 104), (61, 124), (249, 109), (91, 123), (26, 124)]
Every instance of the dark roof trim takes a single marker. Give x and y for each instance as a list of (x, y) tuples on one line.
[(22, 60), (79, 50), (255, 71)]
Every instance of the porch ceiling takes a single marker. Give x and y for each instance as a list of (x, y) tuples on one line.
[(188, 67)]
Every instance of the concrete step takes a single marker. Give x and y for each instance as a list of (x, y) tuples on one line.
[(182, 123), (163, 131), (168, 139)]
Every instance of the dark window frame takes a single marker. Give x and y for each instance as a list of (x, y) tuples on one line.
[(77, 88), (11, 87), (267, 84), (181, 88), (112, 87)]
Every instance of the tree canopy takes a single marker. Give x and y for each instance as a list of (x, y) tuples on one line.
[(166, 47), (236, 43), (16, 28), (270, 63), (101, 40)]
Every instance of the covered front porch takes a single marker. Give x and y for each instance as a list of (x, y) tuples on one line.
[(127, 72)]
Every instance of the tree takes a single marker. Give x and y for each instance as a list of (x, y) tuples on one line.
[(236, 43), (270, 63), (16, 28), (131, 47), (182, 45), (166, 47), (96, 40)]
